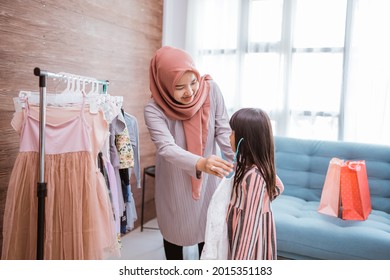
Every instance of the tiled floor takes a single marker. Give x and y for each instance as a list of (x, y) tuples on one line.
[(148, 245)]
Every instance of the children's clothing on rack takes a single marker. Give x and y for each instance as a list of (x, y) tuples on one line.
[(78, 218), (85, 196), (133, 169), (122, 158), (132, 126)]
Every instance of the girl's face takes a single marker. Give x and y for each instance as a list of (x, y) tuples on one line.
[(233, 141), (186, 88)]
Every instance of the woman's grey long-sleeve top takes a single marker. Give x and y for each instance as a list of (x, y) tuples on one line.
[(181, 219)]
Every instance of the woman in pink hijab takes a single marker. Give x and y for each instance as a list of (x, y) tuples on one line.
[(187, 119)]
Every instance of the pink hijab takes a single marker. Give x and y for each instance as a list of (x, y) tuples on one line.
[(166, 68)]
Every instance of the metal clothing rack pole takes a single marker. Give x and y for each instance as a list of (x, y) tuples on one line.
[(42, 185)]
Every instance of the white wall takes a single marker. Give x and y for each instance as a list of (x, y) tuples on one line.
[(174, 23)]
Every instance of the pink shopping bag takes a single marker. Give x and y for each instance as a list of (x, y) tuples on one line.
[(330, 196)]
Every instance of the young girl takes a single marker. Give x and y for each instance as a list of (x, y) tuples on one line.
[(251, 228)]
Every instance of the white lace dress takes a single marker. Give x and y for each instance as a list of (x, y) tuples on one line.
[(216, 245)]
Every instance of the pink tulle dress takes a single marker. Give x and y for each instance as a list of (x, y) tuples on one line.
[(79, 221)]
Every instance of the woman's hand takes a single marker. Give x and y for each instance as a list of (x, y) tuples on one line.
[(214, 165)]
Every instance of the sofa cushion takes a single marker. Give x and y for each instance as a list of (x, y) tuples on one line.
[(303, 233)]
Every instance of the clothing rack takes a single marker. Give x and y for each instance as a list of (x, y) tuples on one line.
[(42, 185)]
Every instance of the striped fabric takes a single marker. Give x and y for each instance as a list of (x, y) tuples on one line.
[(251, 227)]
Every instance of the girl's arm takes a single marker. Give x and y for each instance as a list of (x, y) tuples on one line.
[(279, 187)]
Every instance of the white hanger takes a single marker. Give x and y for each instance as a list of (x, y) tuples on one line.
[(74, 93), (83, 88), (96, 87), (68, 86), (77, 89)]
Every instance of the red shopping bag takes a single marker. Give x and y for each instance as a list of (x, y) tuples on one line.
[(355, 192), (330, 196)]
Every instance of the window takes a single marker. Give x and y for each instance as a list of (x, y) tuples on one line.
[(307, 63), (295, 55), (316, 68)]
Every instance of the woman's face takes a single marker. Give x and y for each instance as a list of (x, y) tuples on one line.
[(186, 88)]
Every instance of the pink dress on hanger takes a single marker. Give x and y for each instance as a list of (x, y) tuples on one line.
[(79, 221)]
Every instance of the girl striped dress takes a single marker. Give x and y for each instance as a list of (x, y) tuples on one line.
[(251, 227)]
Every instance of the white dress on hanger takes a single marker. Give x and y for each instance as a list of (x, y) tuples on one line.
[(216, 245)]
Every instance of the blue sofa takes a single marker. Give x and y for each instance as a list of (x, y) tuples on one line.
[(304, 233)]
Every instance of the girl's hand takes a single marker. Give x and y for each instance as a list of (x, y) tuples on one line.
[(214, 165)]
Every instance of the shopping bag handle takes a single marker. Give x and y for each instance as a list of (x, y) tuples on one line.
[(354, 165), (337, 161)]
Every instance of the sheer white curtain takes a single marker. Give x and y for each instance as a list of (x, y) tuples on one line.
[(367, 102), (211, 38)]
